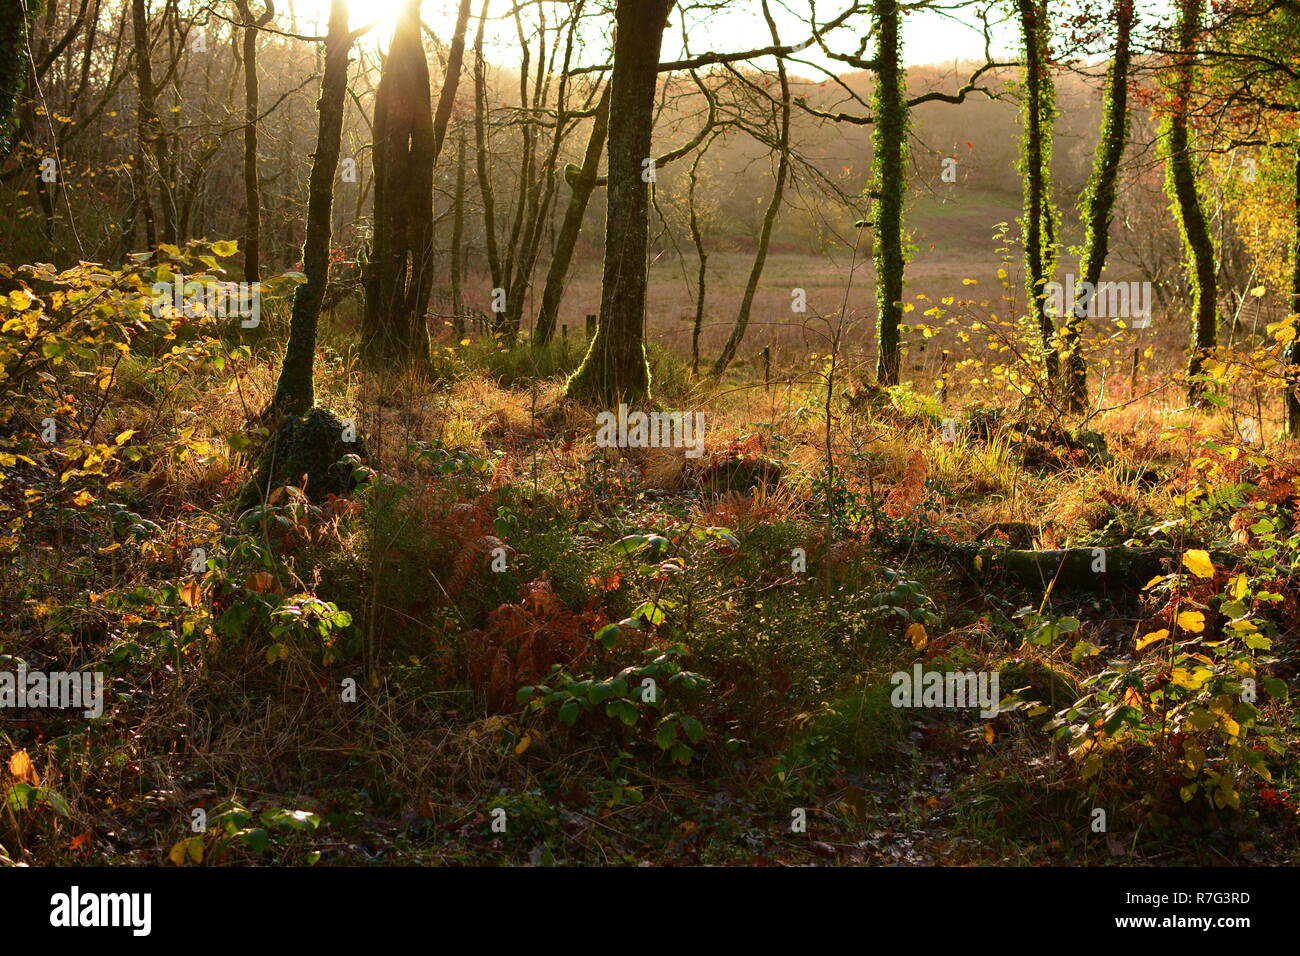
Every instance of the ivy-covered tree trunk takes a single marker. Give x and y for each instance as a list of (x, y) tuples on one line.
[(1181, 186), (295, 390), (889, 147), (615, 367), (582, 182), (399, 275), (13, 62), (1099, 204), (1039, 114)]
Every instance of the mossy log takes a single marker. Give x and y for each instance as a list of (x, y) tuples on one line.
[(1090, 569)]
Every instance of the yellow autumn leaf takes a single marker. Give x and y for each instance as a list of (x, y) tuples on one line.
[(1193, 622), (1151, 638), (83, 498), (917, 635), (988, 733), (226, 247), (1199, 563), (20, 765), (19, 299), (1192, 680), (1240, 585), (524, 741)]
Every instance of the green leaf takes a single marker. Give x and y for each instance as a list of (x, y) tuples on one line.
[(623, 710), (255, 838), (607, 636), (630, 543), (694, 729), (651, 612)]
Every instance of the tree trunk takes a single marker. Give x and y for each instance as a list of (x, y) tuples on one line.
[(1292, 399), (583, 182), (252, 188), (1181, 185), (457, 241), (451, 80), (615, 368), (769, 217), (889, 146), (152, 140), (400, 272), (697, 239), (1099, 203), (1038, 112), (13, 64), (295, 391), (481, 159)]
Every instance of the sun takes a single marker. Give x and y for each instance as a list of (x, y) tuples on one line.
[(379, 15)]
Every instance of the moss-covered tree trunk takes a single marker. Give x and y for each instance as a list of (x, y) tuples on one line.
[(295, 390), (582, 182), (889, 146), (1293, 347), (615, 367), (252, 186), (1181, 186), (400, 271), (13, 62), (1038, 114), (1099, 204)]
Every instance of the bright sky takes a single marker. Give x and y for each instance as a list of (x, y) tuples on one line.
[(929, 37)]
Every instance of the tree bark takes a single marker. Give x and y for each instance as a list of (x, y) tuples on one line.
[(1038, 112), (451, 80), (457, 241), (153, 142), (1099, 204), (252, 186), (481, 156), (400, 272), (1292, 399), (295, 390), (769, 217), (615, 367), (1181, 185), (889, 145), (582, 182)]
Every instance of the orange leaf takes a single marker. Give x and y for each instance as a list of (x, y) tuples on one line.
[(21, 766)]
